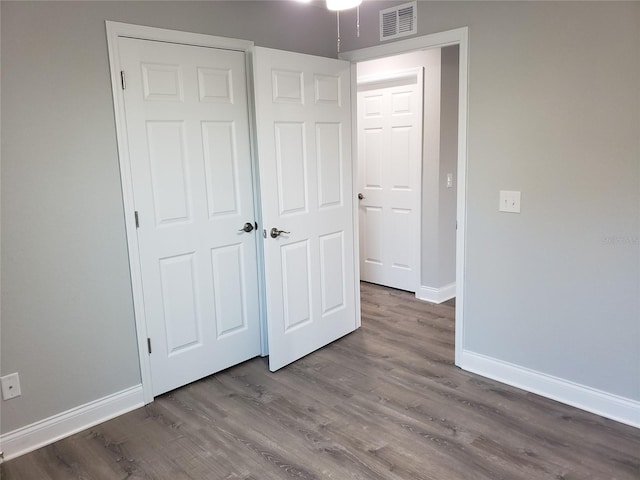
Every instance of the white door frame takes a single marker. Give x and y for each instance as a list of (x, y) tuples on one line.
[(402, 74), (114, 31), (460, 37)]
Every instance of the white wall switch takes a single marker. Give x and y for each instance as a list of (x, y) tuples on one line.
[(509, 201), (10, 386), (449, 180)]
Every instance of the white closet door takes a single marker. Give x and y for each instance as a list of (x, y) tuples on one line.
[(188, 134), (304, 145), (389, 170)]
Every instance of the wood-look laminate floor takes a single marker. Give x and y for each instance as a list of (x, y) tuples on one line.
[(385, 402)]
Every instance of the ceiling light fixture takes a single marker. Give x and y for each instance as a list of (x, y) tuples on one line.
[(337, 5)]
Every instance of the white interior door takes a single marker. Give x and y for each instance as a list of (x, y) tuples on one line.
[(188, 135), (389, 169), (304, 146)]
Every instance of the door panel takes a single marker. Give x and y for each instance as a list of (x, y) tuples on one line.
[(188, 133), (296, 284), (389, 165), (304, 146), (332, 272), (221, 167), (330, 169), (291, 165), (168, 171), (227, 265), (181, 315)]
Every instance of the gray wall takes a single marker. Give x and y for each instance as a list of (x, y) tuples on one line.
[(67, 314), (554, 111), (448, 164), (439, 156)]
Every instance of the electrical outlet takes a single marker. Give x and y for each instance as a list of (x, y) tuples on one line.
[(10, 386), (449, 180), (509, 201)]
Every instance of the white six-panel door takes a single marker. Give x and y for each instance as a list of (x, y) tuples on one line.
[(189, 146), (304, 148), (389, 169)]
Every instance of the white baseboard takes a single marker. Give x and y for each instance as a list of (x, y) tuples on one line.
[(436, 295), (49, 430), (620, 409)]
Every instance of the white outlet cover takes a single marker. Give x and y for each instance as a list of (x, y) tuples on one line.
[(10, 386), (509, 201)]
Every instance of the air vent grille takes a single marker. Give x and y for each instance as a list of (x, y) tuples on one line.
[(389, 24), (399, 21)]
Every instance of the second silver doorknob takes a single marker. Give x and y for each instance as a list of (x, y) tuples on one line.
[(275, 233)]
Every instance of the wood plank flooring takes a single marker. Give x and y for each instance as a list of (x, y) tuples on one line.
[(385, 402)]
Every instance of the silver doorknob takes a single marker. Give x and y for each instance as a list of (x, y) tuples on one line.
[(360, 196), (275, 233), (248, 227)]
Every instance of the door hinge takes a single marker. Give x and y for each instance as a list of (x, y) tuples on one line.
[(149, 345), (137, 219), (122, 81)]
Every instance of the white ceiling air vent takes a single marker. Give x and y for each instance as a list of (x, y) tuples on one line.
[(399, 21)]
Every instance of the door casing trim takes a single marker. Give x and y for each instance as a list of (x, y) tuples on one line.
[(460, 37), (116, 30)]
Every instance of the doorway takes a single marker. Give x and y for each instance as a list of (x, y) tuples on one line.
[(458, 37), (424, 241)]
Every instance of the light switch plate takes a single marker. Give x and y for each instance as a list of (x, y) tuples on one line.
[(509, 201), (449, 180), (10, 386)]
